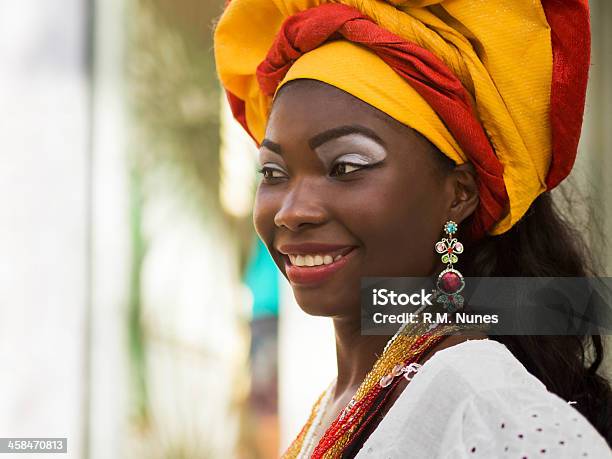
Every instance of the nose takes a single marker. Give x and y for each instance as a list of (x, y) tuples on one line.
[(301, 207)]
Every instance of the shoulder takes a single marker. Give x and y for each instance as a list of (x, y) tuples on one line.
[(479, 365), (475, 399)]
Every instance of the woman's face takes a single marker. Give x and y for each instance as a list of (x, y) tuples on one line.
[(347, 192)]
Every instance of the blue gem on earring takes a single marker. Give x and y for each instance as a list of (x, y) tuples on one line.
[(450, 227)]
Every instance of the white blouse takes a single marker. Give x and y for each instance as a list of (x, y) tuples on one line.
[(476, 400)]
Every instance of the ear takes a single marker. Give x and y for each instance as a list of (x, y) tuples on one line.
[(463, 188)]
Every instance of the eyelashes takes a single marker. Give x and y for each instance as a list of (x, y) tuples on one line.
[(268, 172), (274, 173), (345, 168)]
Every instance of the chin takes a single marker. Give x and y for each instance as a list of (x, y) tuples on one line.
[(318, 310), (324, 303)]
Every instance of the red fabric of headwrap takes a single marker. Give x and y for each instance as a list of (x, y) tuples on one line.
[(238, 110), (571, 41), (425, 72)]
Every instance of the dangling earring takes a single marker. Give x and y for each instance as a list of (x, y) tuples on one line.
[(450, 281)]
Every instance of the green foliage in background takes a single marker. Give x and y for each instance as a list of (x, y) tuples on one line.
[(175, 96)]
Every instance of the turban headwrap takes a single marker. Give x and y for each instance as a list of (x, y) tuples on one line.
[(499, 84)]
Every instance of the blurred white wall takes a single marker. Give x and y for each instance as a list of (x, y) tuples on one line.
[(307, 363), (110, 257), (44, 223), (196, 351)]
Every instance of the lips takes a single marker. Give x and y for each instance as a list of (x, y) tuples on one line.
[(311, 263)]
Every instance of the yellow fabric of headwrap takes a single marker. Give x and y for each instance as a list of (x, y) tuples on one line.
[(501, 53), (340, 64)]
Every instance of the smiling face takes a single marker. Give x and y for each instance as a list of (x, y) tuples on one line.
[(348, 192)]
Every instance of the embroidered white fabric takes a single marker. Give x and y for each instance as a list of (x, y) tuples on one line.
[(476, 400)]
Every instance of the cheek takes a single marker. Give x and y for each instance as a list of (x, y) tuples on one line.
[(264, 210), (398, 226)]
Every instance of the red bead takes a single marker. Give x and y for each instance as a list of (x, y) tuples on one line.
[(450, 282)]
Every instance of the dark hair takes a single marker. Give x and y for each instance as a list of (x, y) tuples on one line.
[(567, 365)]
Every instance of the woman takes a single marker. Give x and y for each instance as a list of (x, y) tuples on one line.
[(380, 125)]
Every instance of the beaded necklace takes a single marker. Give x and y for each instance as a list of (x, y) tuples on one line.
[(398, 358), (309, 440)]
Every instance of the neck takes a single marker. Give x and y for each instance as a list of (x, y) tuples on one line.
[(355, 354)]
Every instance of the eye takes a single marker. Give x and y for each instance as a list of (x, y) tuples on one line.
[(272, 172), (344, 168), (352, 162)]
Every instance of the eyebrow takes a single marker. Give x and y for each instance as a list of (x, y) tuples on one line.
[(331, 134), (272, 146)]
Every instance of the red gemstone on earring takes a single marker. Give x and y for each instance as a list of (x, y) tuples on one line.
[(450, 250), (450, 282)]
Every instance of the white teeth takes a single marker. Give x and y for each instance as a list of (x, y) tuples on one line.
[(313, 260)]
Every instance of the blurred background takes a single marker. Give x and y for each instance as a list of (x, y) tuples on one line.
[(139, 315)]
